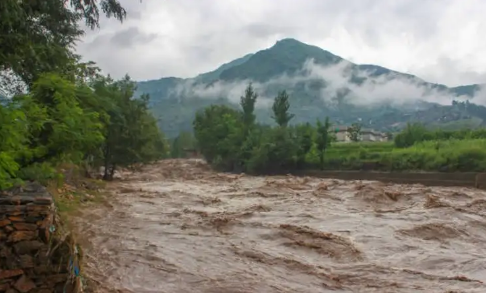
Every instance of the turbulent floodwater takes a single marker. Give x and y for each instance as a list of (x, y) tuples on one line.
[(179, 227)]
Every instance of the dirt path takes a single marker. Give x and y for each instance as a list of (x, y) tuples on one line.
[(178, 227)]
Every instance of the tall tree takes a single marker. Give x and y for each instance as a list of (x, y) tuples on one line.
[(323, 139), (305, 131), (219, 133), (39, 36), (304, 135), (131, 131), (247, 103), (280, 109), (60, 128), (71, 113)]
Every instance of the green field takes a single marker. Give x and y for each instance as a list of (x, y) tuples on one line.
[(466, 155)]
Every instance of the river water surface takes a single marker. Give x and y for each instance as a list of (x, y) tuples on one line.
[(178, 227)]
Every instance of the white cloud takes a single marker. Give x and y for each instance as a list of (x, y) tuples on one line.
[(480, 96), (230, 90), (390, 88), (440, 41), (396, 90)]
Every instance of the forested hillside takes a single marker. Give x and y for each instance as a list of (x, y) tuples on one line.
[(319, 84), (58, 110)]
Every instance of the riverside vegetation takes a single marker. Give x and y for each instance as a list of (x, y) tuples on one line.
[(232, 140), (62, 110), (58, 116)]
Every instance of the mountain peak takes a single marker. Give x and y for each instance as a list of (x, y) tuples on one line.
[(289, 41), (289, 44), (286, 56)]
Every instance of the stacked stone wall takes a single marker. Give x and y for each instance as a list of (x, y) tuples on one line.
[(34, 256)]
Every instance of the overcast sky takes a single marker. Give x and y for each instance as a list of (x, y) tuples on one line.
[(439, 40)]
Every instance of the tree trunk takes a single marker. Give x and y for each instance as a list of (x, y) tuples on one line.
[(112, 171), (321, 160), (106, 175)]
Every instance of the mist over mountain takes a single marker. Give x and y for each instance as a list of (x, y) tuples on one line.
[(320, 84)]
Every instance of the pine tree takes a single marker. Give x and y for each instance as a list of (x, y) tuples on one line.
[(280, 109)]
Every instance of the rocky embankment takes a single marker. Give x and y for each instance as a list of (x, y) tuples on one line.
[(34, 257)]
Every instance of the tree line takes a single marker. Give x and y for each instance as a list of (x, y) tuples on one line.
[(62, 110), (232, 140)]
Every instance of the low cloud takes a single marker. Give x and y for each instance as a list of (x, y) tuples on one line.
[(480, 96), (221, 89), (391, 88), (338, 81)]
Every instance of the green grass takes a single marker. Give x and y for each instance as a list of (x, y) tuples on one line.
[(344, 149), (445, 156)]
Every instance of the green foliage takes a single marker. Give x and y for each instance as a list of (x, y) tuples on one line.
[(453, 155), (223, 141), (63, 130), (355, 132), (185, 140), (247, 103), (70, 113), (280, 109), (219, 131), (38, 36), (323, 139), (131, 132), (13, 138), (443, 151), (278, 150), (63, 122), (305, 138), (411, 134), (228, 143), (416, 132)]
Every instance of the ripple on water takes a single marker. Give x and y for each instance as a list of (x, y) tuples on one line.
[(177, 226)]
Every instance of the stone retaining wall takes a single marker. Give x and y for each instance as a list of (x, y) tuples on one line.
[(34, 257)]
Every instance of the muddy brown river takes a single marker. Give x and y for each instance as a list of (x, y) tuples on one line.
[(178, 227)]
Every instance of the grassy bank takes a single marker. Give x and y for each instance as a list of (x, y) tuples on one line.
[(453, 155)]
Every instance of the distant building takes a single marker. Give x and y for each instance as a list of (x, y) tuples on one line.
[(342, 134), (371, 135)]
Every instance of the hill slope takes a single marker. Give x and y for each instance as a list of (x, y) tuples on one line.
[(321, 84)]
